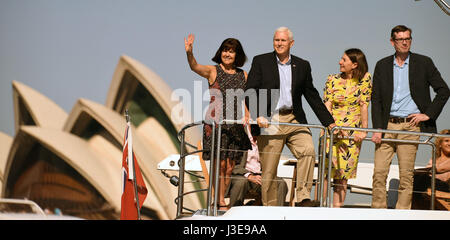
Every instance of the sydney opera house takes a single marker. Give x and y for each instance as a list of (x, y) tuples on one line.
[(72, 161)]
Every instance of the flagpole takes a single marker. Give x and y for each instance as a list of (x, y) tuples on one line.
[(134, 167)]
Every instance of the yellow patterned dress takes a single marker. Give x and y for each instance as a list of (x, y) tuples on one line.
[(346, 96)]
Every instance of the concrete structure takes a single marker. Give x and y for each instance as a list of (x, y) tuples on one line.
[(73, 161)]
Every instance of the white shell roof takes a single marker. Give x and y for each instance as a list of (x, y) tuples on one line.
[(44, 111), (76, 152), (6, 142)]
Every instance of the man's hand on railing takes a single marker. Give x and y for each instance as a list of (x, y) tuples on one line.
[(262, 122), (376, 137)]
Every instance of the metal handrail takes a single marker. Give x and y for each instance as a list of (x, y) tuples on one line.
[(321, 155), (214, 178), (427, 142), (185, 127), (33, 206), (181, 165), (212, 201)]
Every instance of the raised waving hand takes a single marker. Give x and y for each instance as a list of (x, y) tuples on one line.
[(207, 71), (189, 42)]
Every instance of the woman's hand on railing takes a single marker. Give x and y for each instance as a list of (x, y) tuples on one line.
[(337, 131), (343, 133), (331, 126), (359, 136), (246, 120)]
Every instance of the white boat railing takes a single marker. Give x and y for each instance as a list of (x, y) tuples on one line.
[(321, 153), (181, 165), (425, 141), (211, 209), (214, 178), (21, 203)]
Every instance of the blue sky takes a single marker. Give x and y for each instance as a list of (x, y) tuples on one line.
[(69, 49)]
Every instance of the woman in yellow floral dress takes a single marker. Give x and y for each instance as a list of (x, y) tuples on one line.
[(347, 97)]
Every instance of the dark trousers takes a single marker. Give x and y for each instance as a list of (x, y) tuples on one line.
[(422, 181), (240, 187)]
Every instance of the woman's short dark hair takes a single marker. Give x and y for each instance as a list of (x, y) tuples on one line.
[(357, 56), (231, 43)]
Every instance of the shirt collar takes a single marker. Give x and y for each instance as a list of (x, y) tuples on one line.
[(287, 63), (406, 61)]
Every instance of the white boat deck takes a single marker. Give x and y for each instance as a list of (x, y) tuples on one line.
[(361, 185), (322, 213)]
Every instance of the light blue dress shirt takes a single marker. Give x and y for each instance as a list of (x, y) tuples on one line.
[(285, 100), (402, 103)]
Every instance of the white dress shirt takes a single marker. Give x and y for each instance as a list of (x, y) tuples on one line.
[(285, 100)]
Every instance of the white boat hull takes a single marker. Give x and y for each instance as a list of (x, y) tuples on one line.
[(323, 213)]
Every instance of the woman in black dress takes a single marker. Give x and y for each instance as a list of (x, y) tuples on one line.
[(226, 84)]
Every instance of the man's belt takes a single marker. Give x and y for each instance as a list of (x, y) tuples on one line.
[(399, 119)]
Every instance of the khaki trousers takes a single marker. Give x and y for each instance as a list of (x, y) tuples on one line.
[(299, 142), (406, 155)]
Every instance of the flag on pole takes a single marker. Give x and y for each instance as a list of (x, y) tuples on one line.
[(133, 186)]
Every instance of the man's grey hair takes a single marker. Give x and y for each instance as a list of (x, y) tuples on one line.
[(285, 29)]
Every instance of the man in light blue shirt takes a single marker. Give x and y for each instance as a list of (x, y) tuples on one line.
[(402, 103), (285, 100)]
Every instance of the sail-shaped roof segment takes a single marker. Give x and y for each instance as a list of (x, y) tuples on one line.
[(121, 87), (6, 142), (90, 138), (85, 111), (73, 152), (136, 87), (148, 99), (33, 108)]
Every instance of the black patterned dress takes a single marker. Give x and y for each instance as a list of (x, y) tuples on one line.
[(226, 103)]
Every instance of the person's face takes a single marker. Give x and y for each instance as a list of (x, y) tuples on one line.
[(281, 43), (402, 42), (346, 65), (445, 146), (228, 56)]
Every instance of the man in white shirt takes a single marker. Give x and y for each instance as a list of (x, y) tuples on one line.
[(288, 78)]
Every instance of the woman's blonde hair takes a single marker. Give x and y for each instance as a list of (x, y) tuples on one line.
[(439, 141)]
